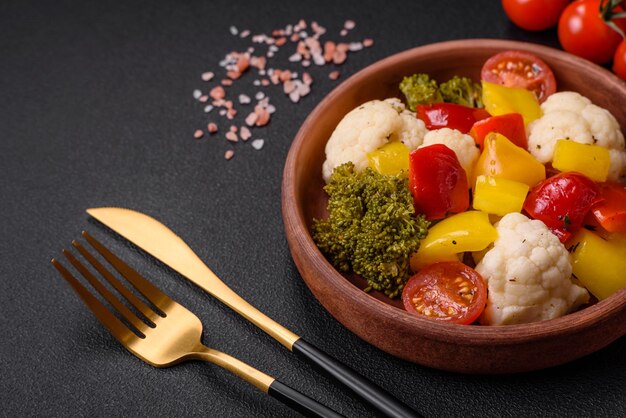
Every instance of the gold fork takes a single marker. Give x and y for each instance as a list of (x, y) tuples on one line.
[(165, 333)]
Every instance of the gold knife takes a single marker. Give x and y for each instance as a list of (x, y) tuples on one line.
[(162, 243)]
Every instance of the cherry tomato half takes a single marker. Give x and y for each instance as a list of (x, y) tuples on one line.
[(447, 291), (583, 32), (619, 61), (437, 182), (561, 202), (450, 115), (520, 69), (610, 212), (534, 15)]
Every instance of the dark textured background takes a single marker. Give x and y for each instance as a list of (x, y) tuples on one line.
[(96, 109)]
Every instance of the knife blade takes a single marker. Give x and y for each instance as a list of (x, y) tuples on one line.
[(162, 243)]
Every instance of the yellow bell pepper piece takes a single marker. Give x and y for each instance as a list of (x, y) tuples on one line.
[(591, 160), (466, 231), (499, 195), (391, 159), (598, 264), (500, 100), (502, 158)]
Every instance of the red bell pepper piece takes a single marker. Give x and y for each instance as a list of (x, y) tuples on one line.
[(437, 182), (511, 125), (450, 115), (610, 212)]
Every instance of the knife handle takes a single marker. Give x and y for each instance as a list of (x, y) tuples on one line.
[(299, 402), (376, 396)]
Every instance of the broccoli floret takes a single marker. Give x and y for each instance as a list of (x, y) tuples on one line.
[(372, 228), (463, 91), (420, 89)]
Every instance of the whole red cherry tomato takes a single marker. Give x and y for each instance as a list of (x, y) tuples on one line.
[(520, 69), (448, 291), (619, 61), (583, 31), (534, 15), (450, 115), (437, 182), (562, 201)]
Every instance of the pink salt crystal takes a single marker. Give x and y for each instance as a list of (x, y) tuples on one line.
[(251, 119), (263, 116), (203, 99), (339, 57), (368, 42), (307, 79), (329, 50), (217, 93), (212, 128), (349, 24), (245, 133), (334, 75), (231, 136), (303, 89), (207, 76), (198, 134), (229, 154), (289, 86)]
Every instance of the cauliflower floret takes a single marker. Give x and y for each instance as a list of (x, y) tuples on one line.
[(528, 274), (558, 124), (568, 115), (369, 127), (565, 100), (462, 144)]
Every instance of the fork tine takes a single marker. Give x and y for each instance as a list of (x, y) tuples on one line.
[(146, 311), (157, 298), (117, 328), (106, 293)]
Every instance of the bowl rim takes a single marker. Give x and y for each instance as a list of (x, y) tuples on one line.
[(294, 221)]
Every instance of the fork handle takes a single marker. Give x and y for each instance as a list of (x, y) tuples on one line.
[(376, 396), (299, 402)]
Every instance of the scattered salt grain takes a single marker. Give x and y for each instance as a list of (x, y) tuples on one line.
[(245, 133), (334, 75), (197, 94), (244, 99), (198, 134), (257, 144), (207, 76), (233, 30), (349, 24), (368, 42), (295, 58), (229, 154), (217, 93), (244, 34), (231, 136), (212, 127), (355, 46), (344, 32), (259, 96), (208, 108)]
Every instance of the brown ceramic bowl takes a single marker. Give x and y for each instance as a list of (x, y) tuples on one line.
[(382, 322)]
